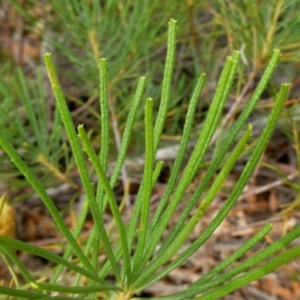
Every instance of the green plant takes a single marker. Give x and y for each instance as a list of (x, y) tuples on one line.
[(35, 130), (136, 265), (80, 34), (261, 28), (289, 126), (87, 30)]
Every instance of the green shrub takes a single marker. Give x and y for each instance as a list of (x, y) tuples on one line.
[(140, 257)]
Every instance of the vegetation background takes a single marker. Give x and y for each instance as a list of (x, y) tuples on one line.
[(132, 36)]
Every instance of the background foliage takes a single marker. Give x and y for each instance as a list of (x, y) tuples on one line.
[(131, 35)]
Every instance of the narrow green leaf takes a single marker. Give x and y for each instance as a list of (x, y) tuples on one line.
[(198, 154), (113, 205), (233, 257), (238, 188), (120, 160), (23, 271), (76, 233), (266, 253), (189, 121), (13, 292), (174, 242), (75, 289), (166, 84), (36, 184), (104, 150), (128, 130), (267, 268), (248, 263), (179, 158), (18, 245), (227, 142), (192, 290), (147, 185), (67, 298), (23, 92), (77, 152), (130, 229), (105, 121)]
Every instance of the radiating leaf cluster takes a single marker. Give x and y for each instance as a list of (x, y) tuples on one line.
[(141, 257)]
